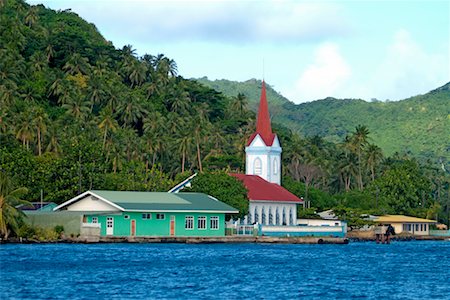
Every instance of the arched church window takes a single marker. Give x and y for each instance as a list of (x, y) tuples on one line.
[(263, 216), (249, 218), (257, 166), (275, 166), (291, 218), (256, 216), (270, 217), (277, 217), (284, 216)]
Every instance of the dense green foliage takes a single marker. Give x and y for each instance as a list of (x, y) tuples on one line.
[(10, 197), (224, 187), (77, 114), (418, 125)]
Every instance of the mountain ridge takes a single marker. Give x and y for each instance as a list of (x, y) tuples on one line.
[(416, 125)]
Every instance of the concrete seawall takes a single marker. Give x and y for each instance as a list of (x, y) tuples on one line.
[(218, 240)]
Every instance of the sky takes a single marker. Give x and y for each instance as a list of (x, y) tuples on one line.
[(306, 50)]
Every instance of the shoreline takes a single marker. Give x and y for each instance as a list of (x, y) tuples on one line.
[(220, 240), (187, 240)]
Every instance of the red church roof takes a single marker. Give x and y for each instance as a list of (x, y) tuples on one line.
[(263, 127), (260, 189)]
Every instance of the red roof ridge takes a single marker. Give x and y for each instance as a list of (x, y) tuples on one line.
[(262, 190)]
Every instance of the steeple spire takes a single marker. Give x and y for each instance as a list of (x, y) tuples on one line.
[(263, 126)]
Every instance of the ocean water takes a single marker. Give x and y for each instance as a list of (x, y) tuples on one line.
[(401, 270)]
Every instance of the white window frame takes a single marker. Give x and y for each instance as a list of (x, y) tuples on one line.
[(214, 223), (189, 223), (257, 166), (275, 166), (94, 220), (201, 223)]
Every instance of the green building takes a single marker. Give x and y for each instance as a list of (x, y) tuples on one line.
[(150, 214)]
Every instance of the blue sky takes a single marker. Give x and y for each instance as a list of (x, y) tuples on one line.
[(306, 50)]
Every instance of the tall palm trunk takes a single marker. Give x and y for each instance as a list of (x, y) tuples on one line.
[(183, 159), (39, 141), (104, 138), (360, 183), (199, 158)]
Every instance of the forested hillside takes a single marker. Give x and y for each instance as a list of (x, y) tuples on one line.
[(76, 113), (418, 125)]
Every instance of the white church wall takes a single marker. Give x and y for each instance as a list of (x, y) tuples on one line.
[(263, 210)]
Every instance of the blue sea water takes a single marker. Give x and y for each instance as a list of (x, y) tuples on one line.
[(401, 270)]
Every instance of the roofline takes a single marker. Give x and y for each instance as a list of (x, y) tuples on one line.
[(184, 211), (277, 201), (182, 184), (81, 196), (405, 221)]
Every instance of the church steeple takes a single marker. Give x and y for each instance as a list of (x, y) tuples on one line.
[(263, 151), (263, 126)]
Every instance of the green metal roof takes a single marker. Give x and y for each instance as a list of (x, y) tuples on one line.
[(159, 201)]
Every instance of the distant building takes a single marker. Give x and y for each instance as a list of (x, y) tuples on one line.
[(270, 203), (406, 224), (119, 213)]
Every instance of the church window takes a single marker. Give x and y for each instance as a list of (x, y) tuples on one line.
[(249, 218), (263, 216), (277, 217), (284, 216), (291, 218), (270, 217), (275, 166), (256, 216), (257, 166)]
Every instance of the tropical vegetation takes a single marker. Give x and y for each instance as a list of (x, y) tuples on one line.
[(76, 113)]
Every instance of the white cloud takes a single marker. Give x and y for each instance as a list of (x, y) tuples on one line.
[(326, 76), (407, 70), (233, 22)]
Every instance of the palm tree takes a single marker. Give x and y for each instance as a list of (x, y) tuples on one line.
[(128, 51), (31, 17), (200, 128), (53, 141), (359, 140), (179, 100), (38, 61), (77, 65), (10, 197), (374, 156), (107, 122), (77, 107), (96, 91), (239, 104), (137, 73), (40, 119), (24, 128), (184, 142), (130, 112)]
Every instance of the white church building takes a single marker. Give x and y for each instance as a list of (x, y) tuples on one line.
[(270, 203)]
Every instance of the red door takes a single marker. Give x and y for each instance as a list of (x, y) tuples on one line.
[(133, 227), (172, 225)]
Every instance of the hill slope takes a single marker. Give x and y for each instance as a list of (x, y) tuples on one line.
[(419, 125)]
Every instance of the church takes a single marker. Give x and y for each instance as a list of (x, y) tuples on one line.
[(270, 203)]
